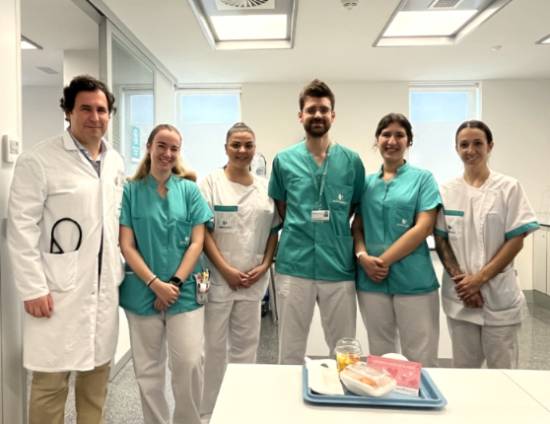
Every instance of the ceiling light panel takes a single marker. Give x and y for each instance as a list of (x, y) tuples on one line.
[(250, 27), (428, 23), (246, 24), (435, 22)]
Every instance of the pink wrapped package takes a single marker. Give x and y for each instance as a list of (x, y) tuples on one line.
[(405, 373)]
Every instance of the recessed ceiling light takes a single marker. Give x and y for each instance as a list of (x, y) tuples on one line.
[(544, 40), (250, 27), (439, 22), (428, 23), (247, 24), (27, 44)]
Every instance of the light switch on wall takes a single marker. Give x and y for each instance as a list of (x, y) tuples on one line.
[(10, 149)]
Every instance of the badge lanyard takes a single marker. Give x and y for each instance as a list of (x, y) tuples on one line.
[(320, 188)]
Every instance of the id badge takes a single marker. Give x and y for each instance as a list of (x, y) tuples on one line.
[(202, 282), (320, 215)]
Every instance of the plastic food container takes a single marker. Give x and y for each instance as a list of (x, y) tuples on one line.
[(348, 351), (363, 380)]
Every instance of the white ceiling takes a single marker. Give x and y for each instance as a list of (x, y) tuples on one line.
[(335, 44), (56, 25), (331, 43)]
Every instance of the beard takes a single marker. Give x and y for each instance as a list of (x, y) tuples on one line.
[(317, 127)]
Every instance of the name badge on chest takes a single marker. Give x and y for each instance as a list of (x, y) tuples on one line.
[(320, 215)]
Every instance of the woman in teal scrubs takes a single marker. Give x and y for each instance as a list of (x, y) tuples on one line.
[(161, 237), (396, 282)]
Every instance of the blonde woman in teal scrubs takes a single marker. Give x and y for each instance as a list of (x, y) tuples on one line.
[(396, 282), (161, 236)]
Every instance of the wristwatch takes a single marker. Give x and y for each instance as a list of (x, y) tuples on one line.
[(175, 280)]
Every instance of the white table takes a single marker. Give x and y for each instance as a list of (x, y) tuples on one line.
[(272, 394)]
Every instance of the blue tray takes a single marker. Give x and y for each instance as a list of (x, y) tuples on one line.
[(430, 397)]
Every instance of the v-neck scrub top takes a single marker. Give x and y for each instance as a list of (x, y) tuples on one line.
[(162, 229), (478, 221), (317, 250), (388, 210)]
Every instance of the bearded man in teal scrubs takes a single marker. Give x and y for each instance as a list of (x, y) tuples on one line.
[(316, 185)]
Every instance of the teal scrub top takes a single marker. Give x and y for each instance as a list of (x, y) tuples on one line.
[(317, 250), (388, 210), (162, 230)]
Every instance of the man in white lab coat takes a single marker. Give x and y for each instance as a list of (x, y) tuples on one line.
[(63, 245)]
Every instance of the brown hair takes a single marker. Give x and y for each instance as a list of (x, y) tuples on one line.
[(144, 167), (237, 128), (395, 118), (316, 88), (84, 83), (474, 123)]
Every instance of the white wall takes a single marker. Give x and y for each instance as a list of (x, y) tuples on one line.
[(42, 116), (12, 375), (518, 113), (165, 100), (80, 62)]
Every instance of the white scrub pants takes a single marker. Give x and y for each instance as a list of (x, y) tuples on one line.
[(415, 317), (233, 327), (180, 336), (473, 343), (296, 298)]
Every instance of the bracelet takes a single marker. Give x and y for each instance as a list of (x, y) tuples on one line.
[(151, 280), (361, 253)]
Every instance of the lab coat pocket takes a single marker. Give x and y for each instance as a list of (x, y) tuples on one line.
[(502, 292), (226, 218), (60, 270)]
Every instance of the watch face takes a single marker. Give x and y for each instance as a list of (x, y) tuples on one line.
[(176, 281)]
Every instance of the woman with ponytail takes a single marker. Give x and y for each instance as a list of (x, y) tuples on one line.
[(161, 237)]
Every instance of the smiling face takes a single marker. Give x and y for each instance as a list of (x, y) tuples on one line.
[(473, 147), (317, 116), (392, 142), (89, 118), (240, 149), (164, 151)]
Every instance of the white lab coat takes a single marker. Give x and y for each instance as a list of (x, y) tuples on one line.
[(51, 181), (244, 217), (478, 221)]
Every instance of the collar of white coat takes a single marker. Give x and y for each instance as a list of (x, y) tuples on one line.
[(69, 142), (400, 169)]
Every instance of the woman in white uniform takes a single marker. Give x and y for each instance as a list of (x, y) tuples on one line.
[(479, 232), (240, 250)]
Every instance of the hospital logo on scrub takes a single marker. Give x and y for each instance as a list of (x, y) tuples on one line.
[(403, 223), (340, 199)]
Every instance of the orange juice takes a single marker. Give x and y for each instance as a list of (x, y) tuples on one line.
[(343, 359), (348, 351)]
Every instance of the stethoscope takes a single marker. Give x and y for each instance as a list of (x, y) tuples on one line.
[(54, 245)]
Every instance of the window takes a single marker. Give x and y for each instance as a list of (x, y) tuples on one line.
[(138, 117), (203, 119), (435, 113)]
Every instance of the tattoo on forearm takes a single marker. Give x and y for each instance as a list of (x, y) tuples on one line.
[(447, 256)]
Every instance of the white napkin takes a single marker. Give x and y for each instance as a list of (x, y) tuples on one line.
[(323, 376)]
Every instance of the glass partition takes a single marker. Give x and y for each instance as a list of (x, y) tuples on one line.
[(133, 86)]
